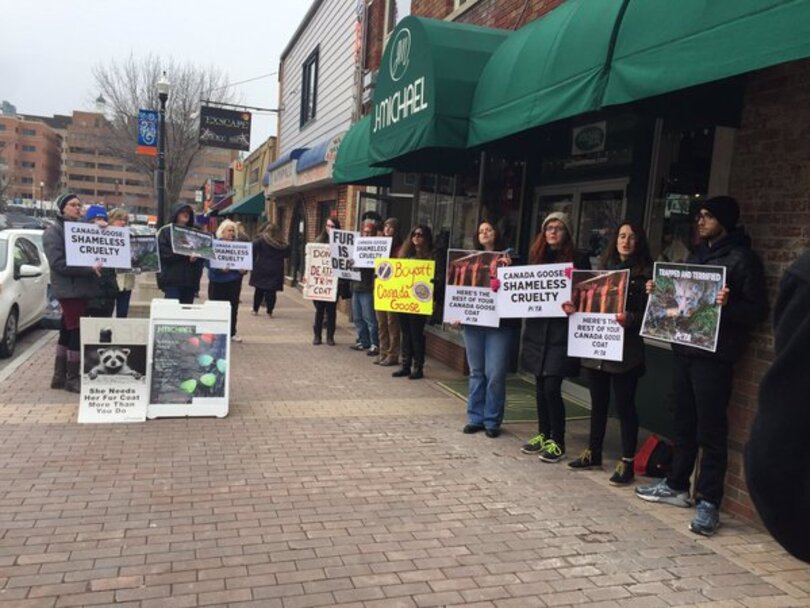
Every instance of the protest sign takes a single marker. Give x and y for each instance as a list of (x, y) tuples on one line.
[(113, 387), (234, 255), (369, 248), (468, 297), (145, 257), (342, 244), (320, 283), (534, 291), (598, 296), (404, 285), (682, 308), (88, 244), (186, 241)]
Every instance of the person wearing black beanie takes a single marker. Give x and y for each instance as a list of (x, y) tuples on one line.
[(703, 380)]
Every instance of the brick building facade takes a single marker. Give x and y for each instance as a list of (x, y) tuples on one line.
[(29, 159)]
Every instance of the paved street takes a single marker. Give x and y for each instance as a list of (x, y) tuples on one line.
[(331, 483)]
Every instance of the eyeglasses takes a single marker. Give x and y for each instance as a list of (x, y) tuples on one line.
[(419, 234), (705, 216), (73, 205)]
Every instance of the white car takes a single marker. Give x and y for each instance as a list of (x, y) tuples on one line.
[(24, 279)]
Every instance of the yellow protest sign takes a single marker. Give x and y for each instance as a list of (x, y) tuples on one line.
[(404, 285)]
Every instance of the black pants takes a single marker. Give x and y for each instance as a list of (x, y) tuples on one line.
[(550, 408), (227, 292), (624, 392), (328, 311), (412, 344), (702, 393), (260, 295)]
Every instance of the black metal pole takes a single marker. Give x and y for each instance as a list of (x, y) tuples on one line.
[(161, 168)]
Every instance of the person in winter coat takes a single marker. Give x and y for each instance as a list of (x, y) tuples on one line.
[(126, 280), (73, 286), (702, 379), (545, 343), (327, 311), (103, 306), (179, 276), (777, 462), (628, 250), (365, 321), (267, 276), (225, 284), (388, 322)]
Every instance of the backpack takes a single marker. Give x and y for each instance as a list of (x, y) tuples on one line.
[(653, 458)]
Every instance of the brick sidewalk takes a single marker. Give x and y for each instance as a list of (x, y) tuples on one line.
[(331, 483)]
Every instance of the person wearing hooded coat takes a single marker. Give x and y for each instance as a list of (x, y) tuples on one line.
[(179, 276), (267, 276), (73, 286)]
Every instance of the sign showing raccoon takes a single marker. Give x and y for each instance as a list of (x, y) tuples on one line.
[(112, 361)]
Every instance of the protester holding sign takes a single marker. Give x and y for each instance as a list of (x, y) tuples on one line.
[(387, 322), (365, 321), (418, 246), (629, 250), (225, 284), (545, 343), (179, 276), (73, 286), (703, 379), (126, 280), (267, 276), (327, 311)]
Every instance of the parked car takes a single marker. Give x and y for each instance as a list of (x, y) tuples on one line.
[(24, 281)]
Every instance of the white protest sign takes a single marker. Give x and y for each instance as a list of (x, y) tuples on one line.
[(468, 297), (341, 243), (534, 291), (598, 296), (369, 248), (320, 283), (88, 244), (234, 255)]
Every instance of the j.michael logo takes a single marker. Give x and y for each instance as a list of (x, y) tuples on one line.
[(400, 54)]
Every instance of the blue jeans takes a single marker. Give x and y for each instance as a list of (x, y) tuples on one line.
[(364, 318), (488, 357), (184, 294), (122, 303)]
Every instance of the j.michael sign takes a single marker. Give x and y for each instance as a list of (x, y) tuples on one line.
[(221, 128)]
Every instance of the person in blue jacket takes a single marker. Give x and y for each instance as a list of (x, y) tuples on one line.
[(225, 284)]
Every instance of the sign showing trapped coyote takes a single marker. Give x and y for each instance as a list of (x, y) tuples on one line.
[(682, 308)]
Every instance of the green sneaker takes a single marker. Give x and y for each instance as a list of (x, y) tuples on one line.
[(534, 445), (552, 452)]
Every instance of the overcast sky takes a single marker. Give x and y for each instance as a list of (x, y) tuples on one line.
[(48, 47)]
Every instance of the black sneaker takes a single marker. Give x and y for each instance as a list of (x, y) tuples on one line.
[(586, 460), (552, 452), (623, 474), (493, 433), (535, 445), (469, 429)]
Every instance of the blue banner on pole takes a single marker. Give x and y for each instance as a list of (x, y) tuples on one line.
[(147, 132)]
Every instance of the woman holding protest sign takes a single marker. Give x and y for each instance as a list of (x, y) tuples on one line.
[(179, 276), (225, 284), (629, 250), (545, 343), (328, 310), (73, 286), (419, 246), (126, 280), (267, 276)]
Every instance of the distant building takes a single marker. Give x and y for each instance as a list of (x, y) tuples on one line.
[(29, 158)]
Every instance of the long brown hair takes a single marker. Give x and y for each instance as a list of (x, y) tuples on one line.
[(641, 259), (408, 250), (537, 252)]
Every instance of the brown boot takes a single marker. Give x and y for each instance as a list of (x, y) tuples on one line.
[(73, 381), (59, 372)]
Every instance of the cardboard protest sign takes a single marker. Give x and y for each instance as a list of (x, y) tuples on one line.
[(342, 244), (534, 291), (145, 257), (404, 285), (598, 296), (186, 241), (235, 255), (88, 244), (320, 283), (369, 248), (682, 308), (113, 370), (468, 297)]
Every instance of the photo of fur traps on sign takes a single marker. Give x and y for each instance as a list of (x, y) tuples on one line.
[(144, 251), (468, 296), (682, 308), (192, 242), (404, 285), (598, 296)]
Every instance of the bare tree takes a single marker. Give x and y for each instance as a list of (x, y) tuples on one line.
[(130, 85)]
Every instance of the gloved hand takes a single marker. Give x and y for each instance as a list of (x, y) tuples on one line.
[(494, 284)]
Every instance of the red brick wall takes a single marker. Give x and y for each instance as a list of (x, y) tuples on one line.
[(771, 179), (505, 14)]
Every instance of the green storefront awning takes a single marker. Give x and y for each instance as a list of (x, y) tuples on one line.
[(424, 90), (353, 161), (550, 69), (250, 205), (664, 46)]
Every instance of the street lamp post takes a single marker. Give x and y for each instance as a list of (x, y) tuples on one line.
[(163, 87), (41, 198)]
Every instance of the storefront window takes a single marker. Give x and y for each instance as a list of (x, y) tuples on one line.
[(501, 195), (326, 209)]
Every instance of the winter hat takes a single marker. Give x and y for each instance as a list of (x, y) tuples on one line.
[(560, 217), (64, 199), (96, 211), (394, 223), (725, 209)]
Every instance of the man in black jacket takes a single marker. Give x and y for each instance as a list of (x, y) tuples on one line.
[(777, 462), (703, 380)]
